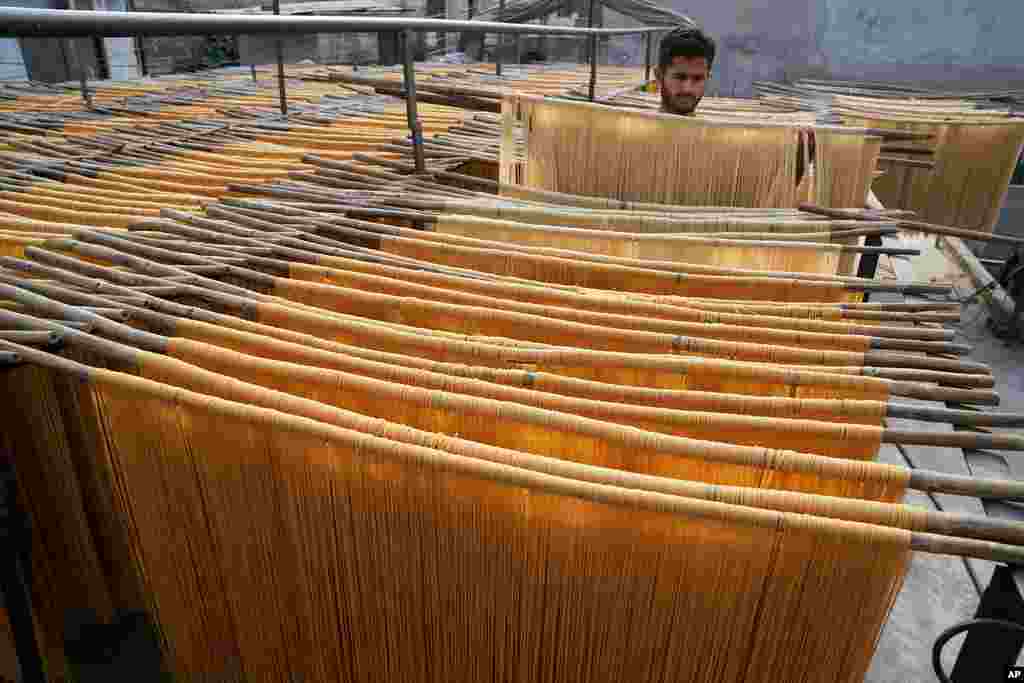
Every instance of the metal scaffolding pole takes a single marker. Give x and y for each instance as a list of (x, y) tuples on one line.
[(409, 76), (281, 88), (593, 49), (71, 48), (22, 21), (648, 40), (497, 56)]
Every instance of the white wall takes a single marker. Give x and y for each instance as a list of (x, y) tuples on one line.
[(964, 42), (926, 39)]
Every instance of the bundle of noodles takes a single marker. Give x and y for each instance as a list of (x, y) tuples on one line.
[(566, 147), (180, 147), (843, 173), (208, 530), (229, 238), (294, 260), (844, 166), (594, 271), (230, 332), (717, 244), (387, 367), (259, 534), (508, 315), (784, 256), (321, 327), (973, 158), (720, 222)]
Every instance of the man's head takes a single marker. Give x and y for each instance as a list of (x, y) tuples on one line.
[(684, 66)]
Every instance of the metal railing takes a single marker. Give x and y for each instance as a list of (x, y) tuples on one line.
[(21, 22)]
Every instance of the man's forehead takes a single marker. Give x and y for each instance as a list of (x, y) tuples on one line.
[(687, 65)]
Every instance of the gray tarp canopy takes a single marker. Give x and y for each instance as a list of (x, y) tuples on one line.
[(644, 11)]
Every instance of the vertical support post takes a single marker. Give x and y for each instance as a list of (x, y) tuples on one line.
[(282, 92), (497, 55), (140, 51), (868, 265), (409, 75), (593, 50), (75, 49), (500, 39), (13, 581), (593, 66), (252, 69), (83, 80), (648, 39)]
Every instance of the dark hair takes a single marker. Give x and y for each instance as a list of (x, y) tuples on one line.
[(686, 41)]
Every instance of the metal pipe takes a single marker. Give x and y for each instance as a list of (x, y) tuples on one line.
[(409, 77), (593, 66), (593, 49), (83, 78), (647, 57), (281, 89), (22, 21), (497, 56)]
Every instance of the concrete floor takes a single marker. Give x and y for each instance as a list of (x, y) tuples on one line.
[(939, 591)]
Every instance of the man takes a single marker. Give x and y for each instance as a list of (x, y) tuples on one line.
[(684, 66)]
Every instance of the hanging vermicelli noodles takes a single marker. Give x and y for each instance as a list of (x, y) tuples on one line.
[(652, 370), (181, 374), (612, 276), (357, 453), (844, 168), (523, 296), (630, 221), (279, 507), (974, 160), (248, 218), (697, 221), (449, 246), (566, 147), (630, 368), (314, 352), (524, 426), (844, 163), (543, 326), (763, 255), (517, 298), (686, 399), (540, 331), (345, 388), (46, 441), (282, 344), (432, 293)]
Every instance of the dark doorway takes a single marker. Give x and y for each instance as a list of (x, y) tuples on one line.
[(54, 60)]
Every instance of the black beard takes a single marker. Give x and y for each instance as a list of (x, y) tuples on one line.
[(667, 108)]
